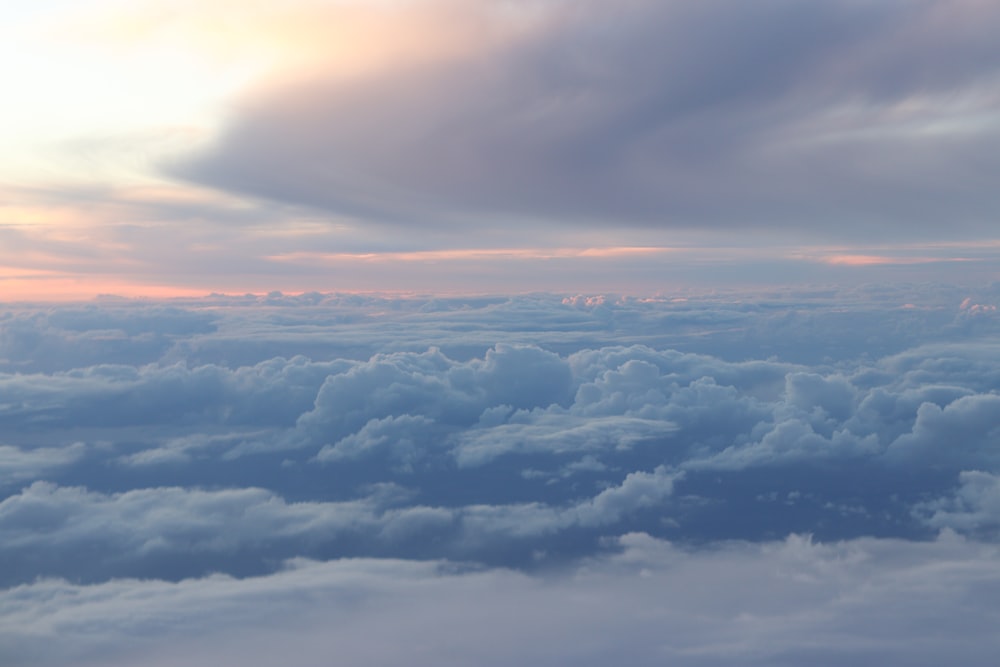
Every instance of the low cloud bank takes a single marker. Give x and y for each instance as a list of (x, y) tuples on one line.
[(622, 460), (648, 602)]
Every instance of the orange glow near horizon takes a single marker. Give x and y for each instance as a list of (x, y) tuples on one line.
[(18, 286), (36, 275), (881, 260), (472, 254)]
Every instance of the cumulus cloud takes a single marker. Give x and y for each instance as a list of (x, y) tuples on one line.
[(47, 340), (555, 432), (175, 532), (435, 386), (556, 414), (962, 432), (462, 436), (404, 439), (684, 114), (973, 508)]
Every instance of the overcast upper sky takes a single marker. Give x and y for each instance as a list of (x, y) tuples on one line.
[(171, 147)]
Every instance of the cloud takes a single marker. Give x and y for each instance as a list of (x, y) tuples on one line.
[(432, 385), (705, 115), (404, 437), (534, 478), (173, 532), (974, 508), (646, 602), (961, 433), (522, 440), (18, 464), (554, 432)]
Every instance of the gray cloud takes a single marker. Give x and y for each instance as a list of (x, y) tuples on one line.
[(665, 446), (175, 532), (961, 433), (836, 118), (793, 601), (556, 413), (435, 386), (974, 507), (555, 432), (18, 464)]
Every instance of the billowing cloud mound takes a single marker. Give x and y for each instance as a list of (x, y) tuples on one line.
[(763, 478)]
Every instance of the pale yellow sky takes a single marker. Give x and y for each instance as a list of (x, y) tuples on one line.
[(100, 88)]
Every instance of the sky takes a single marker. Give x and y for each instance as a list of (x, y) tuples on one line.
[(156, 148), (469, 332)]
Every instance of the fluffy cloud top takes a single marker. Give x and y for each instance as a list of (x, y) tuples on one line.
[(533, 451)]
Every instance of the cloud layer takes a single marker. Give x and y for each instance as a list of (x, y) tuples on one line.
[(837, 119), (635, 463), (783, 603)]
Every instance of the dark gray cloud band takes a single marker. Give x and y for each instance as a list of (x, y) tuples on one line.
[(834, 118)]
